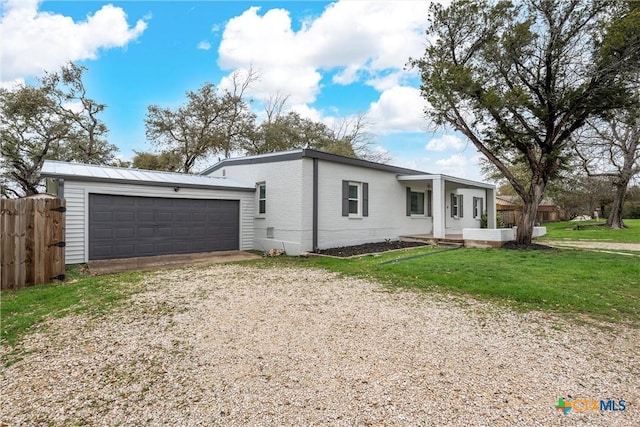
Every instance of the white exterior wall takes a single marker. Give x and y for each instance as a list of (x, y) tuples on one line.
[(285, 192), (456, 225), (387, 207), (77, 193)]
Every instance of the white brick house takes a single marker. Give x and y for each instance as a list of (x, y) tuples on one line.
[(307, 200), (299, 201)]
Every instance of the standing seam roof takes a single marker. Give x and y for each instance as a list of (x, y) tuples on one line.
[(86, 172)]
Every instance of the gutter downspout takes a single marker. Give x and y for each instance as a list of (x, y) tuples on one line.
[(315, 206)]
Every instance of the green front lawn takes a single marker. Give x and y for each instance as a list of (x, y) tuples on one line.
[(593, 230), (578, 284)]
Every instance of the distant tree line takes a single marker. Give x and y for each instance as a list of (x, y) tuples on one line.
[(217, 123), (55, 119)]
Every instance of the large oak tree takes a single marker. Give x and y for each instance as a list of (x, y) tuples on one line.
[(54, 119), (211, 122), (518, 79)]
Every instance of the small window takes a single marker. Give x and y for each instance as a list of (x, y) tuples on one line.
[(417, 203), (456, 205), (355, 199), (262, 198), (478, 204)]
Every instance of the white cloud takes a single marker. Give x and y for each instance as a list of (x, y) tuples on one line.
[(445, 143), (461, 165), (204, 45), (399, 109), (13, 84), (36, 41), (360, 40), (455, 165)]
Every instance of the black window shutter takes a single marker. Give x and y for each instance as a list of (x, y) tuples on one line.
[(345, 198), (365, 199), (429, 201), (408, 201), (460, 206)]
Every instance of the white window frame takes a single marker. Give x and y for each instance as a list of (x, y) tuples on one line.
[(358, 185), (259, 199), (478, 207), (455, 206)]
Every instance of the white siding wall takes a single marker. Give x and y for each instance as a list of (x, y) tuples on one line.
[(285, 195), (77, 193), (75, 224), (455, 225), (387, 208)]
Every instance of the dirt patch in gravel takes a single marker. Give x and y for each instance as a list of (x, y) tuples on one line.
[(531, 246), (368, 248), (236, 345)]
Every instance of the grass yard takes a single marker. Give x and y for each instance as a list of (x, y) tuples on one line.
[(593, 230), (578, 284), (581, 285), (24, 309)]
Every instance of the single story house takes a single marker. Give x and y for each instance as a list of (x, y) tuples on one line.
[(299, 201)]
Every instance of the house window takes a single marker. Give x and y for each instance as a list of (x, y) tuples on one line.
[(355, 199), (457, 209), (477, 207), (418, 203), (262, 198)]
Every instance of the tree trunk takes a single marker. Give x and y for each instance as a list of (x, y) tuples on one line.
[(528, 218), (615, 217)]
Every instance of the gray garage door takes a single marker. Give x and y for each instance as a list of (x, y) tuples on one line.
[(124, 227)]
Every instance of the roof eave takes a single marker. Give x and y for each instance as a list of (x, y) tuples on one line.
[(149, 183)]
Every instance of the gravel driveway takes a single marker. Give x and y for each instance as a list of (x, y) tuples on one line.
[(236, 345)]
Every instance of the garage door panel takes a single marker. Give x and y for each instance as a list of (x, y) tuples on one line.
[(127, 226), (145, 249), (182, 217), (164, 216), (123, 202), (145, 215), (102, 216), (124, 233), (125, 250), (103, 233), (145, 232), (125, 216)]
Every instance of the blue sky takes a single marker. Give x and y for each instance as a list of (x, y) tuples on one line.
[(333, 60)]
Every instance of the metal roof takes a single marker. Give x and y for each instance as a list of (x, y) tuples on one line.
[(99, 173), (300, 153)]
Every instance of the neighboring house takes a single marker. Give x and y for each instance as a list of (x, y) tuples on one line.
[(510, 207), (308, 200), (300, 200)]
